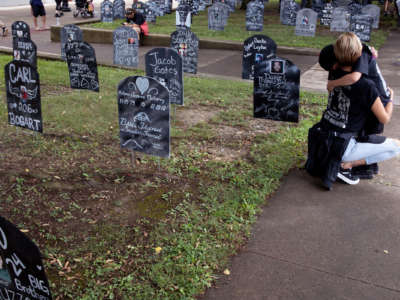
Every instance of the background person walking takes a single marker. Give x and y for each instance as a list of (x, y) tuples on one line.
[(38, 10)]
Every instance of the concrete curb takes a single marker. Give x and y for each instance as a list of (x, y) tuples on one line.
[(104, 36)]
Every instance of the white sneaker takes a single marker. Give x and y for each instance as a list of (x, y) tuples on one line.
[(345, 176)]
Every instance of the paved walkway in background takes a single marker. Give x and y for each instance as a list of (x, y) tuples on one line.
[(219, 63), (308, 244)]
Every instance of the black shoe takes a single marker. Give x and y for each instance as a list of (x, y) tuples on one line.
[(346, 176), (363, 172)]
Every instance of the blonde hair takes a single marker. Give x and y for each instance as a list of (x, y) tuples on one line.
[(347, 49)]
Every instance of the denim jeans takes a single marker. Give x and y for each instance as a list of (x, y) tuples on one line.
[(372, 153)]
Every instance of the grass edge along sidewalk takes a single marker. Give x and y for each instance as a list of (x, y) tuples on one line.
[(178, 255)]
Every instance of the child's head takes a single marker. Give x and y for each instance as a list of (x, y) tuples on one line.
[(347, 49), (130, 12)]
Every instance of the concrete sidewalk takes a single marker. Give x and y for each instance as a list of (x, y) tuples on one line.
[(314, 245)]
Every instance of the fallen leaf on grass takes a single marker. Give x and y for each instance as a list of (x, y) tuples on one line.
[(385, 251), (158, 250), (227, 272), (24, 230)]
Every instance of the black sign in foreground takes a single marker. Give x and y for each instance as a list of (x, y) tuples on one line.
[(23, 95), (82, 66), (22, 273), (276, 90), (143, 110)]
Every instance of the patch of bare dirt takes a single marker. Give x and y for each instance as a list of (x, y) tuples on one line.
[(195, 115)]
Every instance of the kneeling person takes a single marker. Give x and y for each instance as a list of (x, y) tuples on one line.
[(334, 143)]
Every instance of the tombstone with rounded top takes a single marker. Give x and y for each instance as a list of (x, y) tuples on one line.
[(374, 11), (277, 90), (186, 43), (255, 16), (126, 46), (217, 17), (69, 33), (340, 19), (256, 49), (106, 12), (144, 116), (119, 9), (165, 65), (306, 22)]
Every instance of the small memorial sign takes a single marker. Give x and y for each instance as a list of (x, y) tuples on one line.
[(255, 50), (23, 96), (288, 12), (338, 3), (318, 6), (168, 6), (326, 17), (119, 9), (69, 33), (140, 7), (183, 16), (255, 16), (361, 25), (374, 11), (276, 90), (82, 66), (22, 274), (126, 46), (106, 11), (217, 17), (25, 50), (144, 120), (306, 22), (20, 29), (186, 43), (340, 19), (354, 8), (165, 65)]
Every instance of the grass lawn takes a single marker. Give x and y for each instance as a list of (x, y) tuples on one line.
[(236, 31), (113, 228)]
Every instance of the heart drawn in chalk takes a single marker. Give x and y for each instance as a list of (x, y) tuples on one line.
[(142, 84)]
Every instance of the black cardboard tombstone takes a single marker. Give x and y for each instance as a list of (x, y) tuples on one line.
[(255, 50), (165, 65), (338, 3), (119, 9), (231, 4), (150, 14), (140, 7), (20, 29), (255, 16), (183, 16), (354, 8), (361, 25), (168, 6), (82, 66), (340, 19), (126, 46), (306, 22), (25, 50), (143, 111), (195, 7), (152, 5), (318, 6), (186, 43), (276, 90), (22, 274), (106, 12), (23, 96), (69, 33), (288, 12), (374, 11), (326, 17), (217, 17)]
